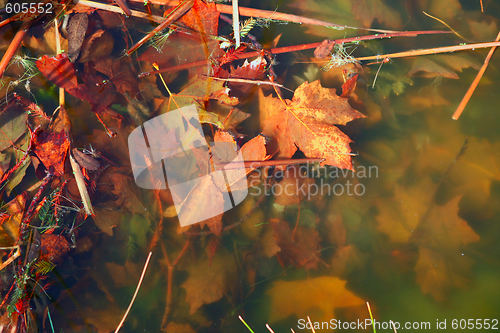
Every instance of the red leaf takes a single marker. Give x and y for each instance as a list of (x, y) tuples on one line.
[(61, 72), (349, 86), (52, 149)]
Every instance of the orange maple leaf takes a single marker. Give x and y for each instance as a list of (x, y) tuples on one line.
[(307, 123)]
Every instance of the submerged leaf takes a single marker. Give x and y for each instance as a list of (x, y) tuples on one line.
[(208, 283), (314, 296)]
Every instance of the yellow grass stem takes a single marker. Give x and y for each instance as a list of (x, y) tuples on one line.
[(135, 294), (82, 188)]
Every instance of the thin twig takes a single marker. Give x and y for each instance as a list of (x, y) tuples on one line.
[(257, 82), (269, 14), (474, 83), (135, 294), (436, 50), (12, 258), (174, 15), (116, 9), (124, 7), (295, 48)]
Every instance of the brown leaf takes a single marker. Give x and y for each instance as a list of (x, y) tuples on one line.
[(51, 149), (307, 122), (99, 44), (77, 29), (208, 283), (121, 74), (106, 219), (300, 249), (127, 196), (324, 49)]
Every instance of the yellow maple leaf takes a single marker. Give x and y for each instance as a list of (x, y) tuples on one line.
[(316, 297)]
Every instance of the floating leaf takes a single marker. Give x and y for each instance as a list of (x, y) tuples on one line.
[(307, 122)]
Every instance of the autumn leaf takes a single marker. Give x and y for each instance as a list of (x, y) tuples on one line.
[(208, 283), (11, 220), (53, 248), (77, 29), (126, 192), (314, 297), (120, 73), (438, 231), (52, 149), (301, 248), (199, 91), (307, 123), (202, 17), (99, 44), (62, 73)]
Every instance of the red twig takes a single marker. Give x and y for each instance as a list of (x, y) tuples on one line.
[(14, 45), (301, 47)]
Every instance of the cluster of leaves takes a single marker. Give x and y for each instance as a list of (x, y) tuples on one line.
[(266, 237)]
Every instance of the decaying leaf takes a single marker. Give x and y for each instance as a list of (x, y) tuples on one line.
[(307, 123), (77, 29), (314, 297), (208, 283), (52, 149), (98, 45), (53, 248)]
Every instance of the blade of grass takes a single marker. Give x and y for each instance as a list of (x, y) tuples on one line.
[(371, 316)]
